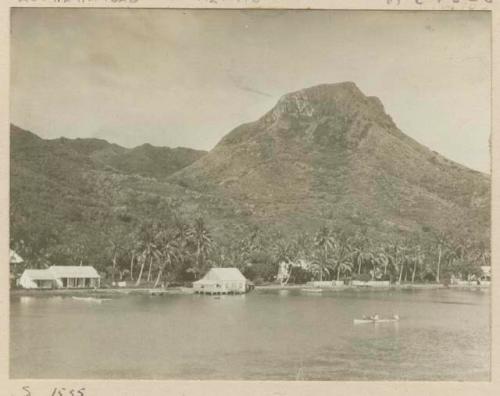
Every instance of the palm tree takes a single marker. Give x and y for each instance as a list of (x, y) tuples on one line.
[(200, 238), (142, 259), (134, 253), (218, 256), (132, 262), (391, 265), (303, 244), (342, 254), (382, 259), (79, 252), (246, 247), (324, 242), (343, 267), (484, 257), (402, 258), (418, 259), (318, 266), (283, 251), (115, 249), (182, 234), (361, 252), (255, 240), (362, 257), (168, 251), (442, 246), (440, 254), (148, 249)]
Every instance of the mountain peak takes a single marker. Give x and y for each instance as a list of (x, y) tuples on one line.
[(326, 100), (328, 90), (329, 110)]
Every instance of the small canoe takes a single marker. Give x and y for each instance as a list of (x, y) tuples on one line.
[(363, 321), (90, 299), (311, 290)]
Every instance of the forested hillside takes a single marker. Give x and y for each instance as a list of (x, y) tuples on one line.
[(325, 177)]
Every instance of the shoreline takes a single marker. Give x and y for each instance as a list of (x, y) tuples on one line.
[(416, 286), (102, 292)]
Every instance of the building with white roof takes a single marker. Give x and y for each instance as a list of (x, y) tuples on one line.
[(76, 276), (37, 279), (222, 281), (60, 276)]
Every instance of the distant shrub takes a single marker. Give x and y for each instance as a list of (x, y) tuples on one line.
[(258, 281), (125, 217), (362, 277), (300, 275), (429, 277)]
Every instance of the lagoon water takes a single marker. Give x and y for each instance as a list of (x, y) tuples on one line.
[(264, 335)]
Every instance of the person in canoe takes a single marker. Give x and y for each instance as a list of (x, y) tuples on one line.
[(373, 317)]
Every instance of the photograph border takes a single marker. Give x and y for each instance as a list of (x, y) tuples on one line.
[(35, 387)]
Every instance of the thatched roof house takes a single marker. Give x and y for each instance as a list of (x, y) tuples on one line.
[(222, 281)]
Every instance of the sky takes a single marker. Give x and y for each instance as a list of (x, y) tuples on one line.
[(188, 77)]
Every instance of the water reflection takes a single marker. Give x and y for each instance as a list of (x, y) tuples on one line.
[(25, 300), (264, 335)]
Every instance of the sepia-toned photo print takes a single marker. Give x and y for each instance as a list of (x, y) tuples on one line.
[(265, 195)]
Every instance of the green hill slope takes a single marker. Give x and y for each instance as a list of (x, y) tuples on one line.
[(326, 155), (330, 152)]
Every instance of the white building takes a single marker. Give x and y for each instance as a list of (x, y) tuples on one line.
[(15, 262), (37, 279), (486, 276), (15, 258), (486, 269), (60, 276), (222, 281), (76, 276)]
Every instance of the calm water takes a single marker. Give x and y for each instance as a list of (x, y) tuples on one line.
[(264, 335)]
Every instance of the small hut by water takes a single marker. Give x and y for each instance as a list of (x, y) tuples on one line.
[(222, 281)]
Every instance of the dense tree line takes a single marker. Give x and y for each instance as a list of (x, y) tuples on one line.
[(165, 251)]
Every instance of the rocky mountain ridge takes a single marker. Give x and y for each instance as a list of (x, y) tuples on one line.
[(325, 155)]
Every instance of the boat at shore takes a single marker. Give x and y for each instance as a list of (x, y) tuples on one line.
[(90, 299), (380, 320), (312, 290)]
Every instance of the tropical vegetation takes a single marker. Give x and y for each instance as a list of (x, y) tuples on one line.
[(160, 253)]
